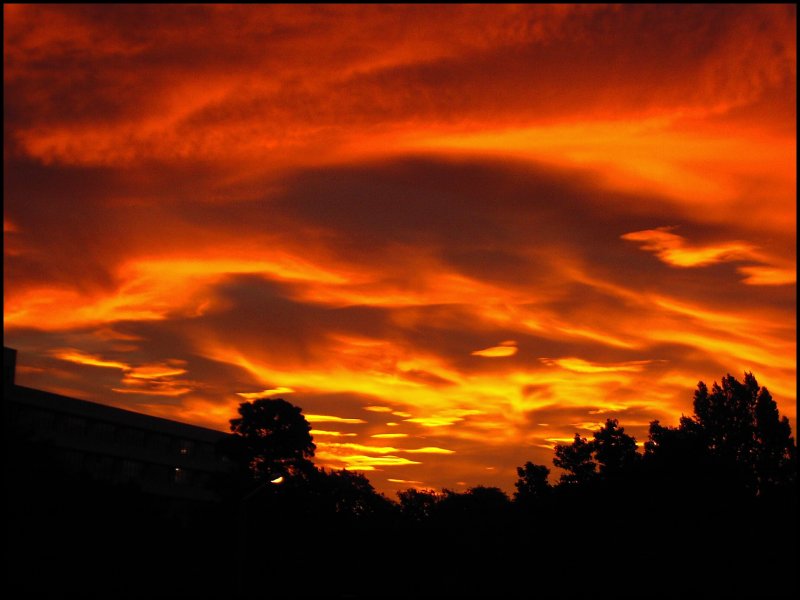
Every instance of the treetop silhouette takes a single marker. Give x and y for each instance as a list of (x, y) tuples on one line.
[(735, 425), (271, 438), (576, 460), (532, 485)]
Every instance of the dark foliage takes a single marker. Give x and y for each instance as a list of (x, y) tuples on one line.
[(707, 510), (576, 460), (532, 485), (270, 439)]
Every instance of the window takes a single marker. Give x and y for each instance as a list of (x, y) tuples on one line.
[(73, 460), (103, 467), (131, 469), (75, 425), (185, 447), (158, 442), (181, 476), (158, 474), (132, 437), (43, 419), (103, 431)]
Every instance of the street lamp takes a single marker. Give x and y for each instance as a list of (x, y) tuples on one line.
[(243, 526)]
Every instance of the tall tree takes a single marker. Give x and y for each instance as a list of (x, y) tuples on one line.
[(737, 425), (776, 454), (271, 438)]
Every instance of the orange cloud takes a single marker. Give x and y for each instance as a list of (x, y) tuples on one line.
[(331, 419), (322, 432), (279, 213), (265, 393), (673, 250), (508, 348), (581, 366), (757, 275), (86, 359)]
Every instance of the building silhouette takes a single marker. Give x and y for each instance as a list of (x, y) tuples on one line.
[(162, 457)]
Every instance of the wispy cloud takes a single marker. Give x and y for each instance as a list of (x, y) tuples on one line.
[(508, 348)]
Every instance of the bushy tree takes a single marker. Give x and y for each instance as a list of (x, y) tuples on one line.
[(418, 505), (351, 496), (271, 438), (532, 485), (775, 459), (674, 445), (735, 426), (614, 450), (576, 459)]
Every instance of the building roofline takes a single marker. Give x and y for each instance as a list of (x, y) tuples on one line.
[(103, 412)]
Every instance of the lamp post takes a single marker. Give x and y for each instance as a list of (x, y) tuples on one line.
[(243, 529)]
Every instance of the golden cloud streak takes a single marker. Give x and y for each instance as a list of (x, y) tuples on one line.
[(154, 372), (384, 449), (358, 447), (508, 348), (87, 359), (331, 419), (582, 366), (156, 376), (768, 276), (429, 450), (331, 433), (169, 392), (673, 249), (265, 393), (360, 462), (435, 421)]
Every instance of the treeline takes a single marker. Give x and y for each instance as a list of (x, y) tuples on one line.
[(704, 508), (707, 507)]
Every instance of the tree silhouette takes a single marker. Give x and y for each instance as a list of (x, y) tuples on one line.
[(532, 485), (735, 426), (776, 456), (614, 450), (417, 505), (270, 439), (350, 495), (674, 446), (576, 459)]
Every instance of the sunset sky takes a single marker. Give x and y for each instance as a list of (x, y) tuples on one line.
[(455, 235)]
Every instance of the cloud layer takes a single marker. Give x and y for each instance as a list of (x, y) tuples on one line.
[(453, 235)]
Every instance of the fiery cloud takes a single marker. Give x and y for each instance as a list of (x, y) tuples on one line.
[(472, 230), (673, 250), (508, 348), (279, 391)]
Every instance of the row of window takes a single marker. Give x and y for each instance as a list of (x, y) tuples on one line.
[(47, 421), (124, 470)]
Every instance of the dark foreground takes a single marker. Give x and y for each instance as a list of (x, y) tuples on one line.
[(77, 537)]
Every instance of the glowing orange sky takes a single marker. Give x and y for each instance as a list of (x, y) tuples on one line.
[(454, 235)]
